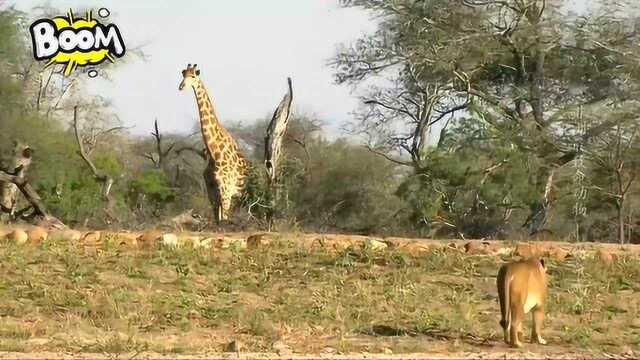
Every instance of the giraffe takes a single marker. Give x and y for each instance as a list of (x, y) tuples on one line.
[(226, 169)]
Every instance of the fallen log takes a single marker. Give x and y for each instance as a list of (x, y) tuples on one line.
[(39, 208)]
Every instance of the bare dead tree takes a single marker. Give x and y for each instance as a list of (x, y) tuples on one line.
[(28, 191), (302, 132), (19, 165), (64, 91), (615, 157), (161, 154), (100, 177), (200, 152), (18, 177), (273, 146), (399, 119), (275, 134)]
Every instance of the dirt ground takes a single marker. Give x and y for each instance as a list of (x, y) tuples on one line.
[(125, 295), (355, 356)]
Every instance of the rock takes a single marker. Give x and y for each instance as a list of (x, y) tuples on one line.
[(257, 240), (233, 346), (187, 218), (204, 243), (65, 235), (394, 243), (4, 232), (148, 238), (127, 238), (527, 250), (18, 236), (416, 247), (193, 315), (91, 237), (108, 237), (628, 351), (604, 256), (281, 348), (169, 240), (476, 247), (326, 243), (375, 245), (73, 235), (37, 234), (581, 253), (186, 239), (51, 223), (502, 250), (557, 253), (452, 246), (226, 243), (387, 351), (523, 250), (329, 350), (38, 341)]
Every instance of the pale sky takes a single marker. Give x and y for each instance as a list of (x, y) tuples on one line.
[(244, 48)]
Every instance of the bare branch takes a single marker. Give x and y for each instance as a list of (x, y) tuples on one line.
[(31, 195), (64, 92), (106, 181), (200, 152), (275, 133), (377, 152), (389, 107)]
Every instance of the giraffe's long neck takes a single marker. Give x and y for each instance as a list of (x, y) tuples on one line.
[(209, 124)]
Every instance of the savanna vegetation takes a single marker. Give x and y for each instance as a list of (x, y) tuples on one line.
[(291, 296), (495, 119), (479, 119)]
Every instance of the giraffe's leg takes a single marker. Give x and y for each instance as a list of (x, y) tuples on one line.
[(213, 192), (236, 190), (225, 191), (225, 204), (223, 209)]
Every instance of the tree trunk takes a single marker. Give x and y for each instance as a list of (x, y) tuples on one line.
[(273, 147), (102, 178), (621, 220), (40, 210), (539, 209), (275, 134)]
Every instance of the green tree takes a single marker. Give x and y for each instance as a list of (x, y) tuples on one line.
[(523, 67), (615, 167)]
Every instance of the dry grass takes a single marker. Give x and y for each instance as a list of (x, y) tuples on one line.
[(64, 297)]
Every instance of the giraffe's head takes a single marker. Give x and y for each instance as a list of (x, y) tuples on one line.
[(189, 76)]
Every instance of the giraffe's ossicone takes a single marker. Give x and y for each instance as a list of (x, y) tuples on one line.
[(227, 169)]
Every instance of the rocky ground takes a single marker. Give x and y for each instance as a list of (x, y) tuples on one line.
[(161, 294), (356, 356)]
